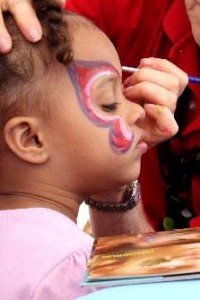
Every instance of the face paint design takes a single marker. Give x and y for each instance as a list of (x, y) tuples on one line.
[(83, 74)]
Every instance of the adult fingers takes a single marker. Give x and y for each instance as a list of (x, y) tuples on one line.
[(168, 67), (5, 40), (148, 92), (165, 125), (160, 78), (25, 18)]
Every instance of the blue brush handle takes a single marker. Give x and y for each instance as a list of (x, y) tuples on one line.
[(193, 79)]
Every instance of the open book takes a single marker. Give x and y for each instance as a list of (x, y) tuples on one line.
[(150, 257)]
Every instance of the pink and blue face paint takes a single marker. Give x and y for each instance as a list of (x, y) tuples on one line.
[(83, 74)]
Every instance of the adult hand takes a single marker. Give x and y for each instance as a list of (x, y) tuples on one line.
[(25, 18), (157, 86)]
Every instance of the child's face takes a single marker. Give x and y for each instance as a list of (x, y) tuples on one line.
[(98, 133)]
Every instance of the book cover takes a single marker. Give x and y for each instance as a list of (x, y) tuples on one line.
[(150, 257)]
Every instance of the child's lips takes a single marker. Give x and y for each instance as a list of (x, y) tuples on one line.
[(142, 147), (142, 144)]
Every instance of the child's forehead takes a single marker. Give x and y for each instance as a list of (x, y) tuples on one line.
[(93, 45)]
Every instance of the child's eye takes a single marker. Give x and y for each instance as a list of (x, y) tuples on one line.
[(110, 107)]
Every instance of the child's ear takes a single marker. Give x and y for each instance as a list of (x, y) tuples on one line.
[(26, 138)]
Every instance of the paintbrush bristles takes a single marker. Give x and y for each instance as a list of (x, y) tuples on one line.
[(129, 69)]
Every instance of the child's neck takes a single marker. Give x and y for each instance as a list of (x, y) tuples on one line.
[(65, 204)]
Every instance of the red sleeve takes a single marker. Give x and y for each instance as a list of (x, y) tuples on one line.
[(93, 10), (120, 20), (127, 23)]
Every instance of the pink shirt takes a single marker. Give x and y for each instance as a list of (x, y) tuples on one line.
[(43, 255)]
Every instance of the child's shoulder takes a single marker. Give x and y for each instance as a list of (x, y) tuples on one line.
[(40, 245), (43, 226)]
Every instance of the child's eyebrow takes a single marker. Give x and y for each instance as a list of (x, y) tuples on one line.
[(112, 78)]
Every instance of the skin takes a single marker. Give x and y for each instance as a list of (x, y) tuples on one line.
[(193, 10), (53, 167), (70, 163), (120, 137), (25, 18), (82, 132), (31, 29), (68, 189)]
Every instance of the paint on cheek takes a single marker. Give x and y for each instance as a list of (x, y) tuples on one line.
[(83, 75)]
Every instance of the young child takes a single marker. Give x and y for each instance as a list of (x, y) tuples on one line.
[(67, 132)]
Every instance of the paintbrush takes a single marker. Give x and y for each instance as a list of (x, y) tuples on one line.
[(192, 79)]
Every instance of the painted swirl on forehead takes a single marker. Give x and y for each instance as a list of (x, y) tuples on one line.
[(83, 74)]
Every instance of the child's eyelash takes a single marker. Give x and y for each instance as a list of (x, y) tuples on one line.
[(110, 107)]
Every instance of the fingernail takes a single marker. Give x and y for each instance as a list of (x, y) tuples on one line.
[(147, 61), (35, 35), (157, 108), (5, 44), (126, 82)]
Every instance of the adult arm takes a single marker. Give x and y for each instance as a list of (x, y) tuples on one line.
[(131, 222)]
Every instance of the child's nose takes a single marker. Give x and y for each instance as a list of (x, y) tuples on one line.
[(136, 114)]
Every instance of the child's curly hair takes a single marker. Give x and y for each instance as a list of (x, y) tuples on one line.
[(20, 86)]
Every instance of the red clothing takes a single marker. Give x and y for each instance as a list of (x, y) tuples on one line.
[(161, 29)]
